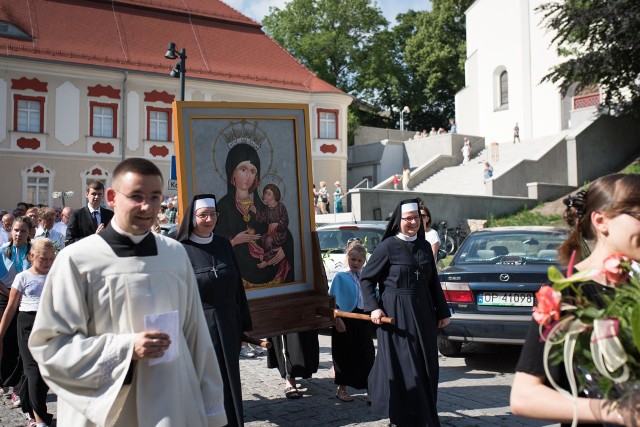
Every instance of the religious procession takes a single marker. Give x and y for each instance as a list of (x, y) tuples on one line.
[(162, 263)]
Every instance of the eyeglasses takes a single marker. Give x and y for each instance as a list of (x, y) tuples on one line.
[(212, 215), (411, 218), (354, 239), (153, 199), (635, 214)]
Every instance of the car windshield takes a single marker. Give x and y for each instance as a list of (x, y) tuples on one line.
[(337, 240), (510, 248)]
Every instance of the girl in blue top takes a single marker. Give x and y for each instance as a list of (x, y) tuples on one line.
[(13, 260), (351, 343)]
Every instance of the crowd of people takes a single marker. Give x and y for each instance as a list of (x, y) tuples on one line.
[(129, 327), (321, 197), (424, 134)]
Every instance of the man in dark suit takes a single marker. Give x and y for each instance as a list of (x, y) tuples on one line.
[(91, 218)]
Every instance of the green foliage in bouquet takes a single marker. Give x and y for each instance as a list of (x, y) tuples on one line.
[(598, 339)]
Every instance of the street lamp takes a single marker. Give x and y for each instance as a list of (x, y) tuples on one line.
[(180, 69), (62, 195), (404, 110)]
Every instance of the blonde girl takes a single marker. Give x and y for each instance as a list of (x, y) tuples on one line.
[(351, 343), (25, 293)]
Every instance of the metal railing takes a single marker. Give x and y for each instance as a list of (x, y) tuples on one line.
[(335, 214)]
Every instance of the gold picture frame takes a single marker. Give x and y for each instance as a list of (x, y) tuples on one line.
[(256, 159)]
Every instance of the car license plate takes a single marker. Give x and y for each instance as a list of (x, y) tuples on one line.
[(510, 299)]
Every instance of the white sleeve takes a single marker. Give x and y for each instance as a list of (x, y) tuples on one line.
[(86, 371)]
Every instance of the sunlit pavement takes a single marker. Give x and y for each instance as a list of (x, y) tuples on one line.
[(474, 391)]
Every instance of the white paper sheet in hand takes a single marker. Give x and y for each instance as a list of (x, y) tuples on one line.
[(169, 324)]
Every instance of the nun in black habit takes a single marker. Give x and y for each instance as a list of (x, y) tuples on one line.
[(403, 382), (223, 297)]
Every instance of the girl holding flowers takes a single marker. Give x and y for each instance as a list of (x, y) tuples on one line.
[(608, 215)]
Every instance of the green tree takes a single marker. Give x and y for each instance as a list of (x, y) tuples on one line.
[(600, 40), (437, 53), (330, 37), (418, 63), (387, 80)]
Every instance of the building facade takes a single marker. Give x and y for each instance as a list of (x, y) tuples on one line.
[(84, 84), (509, 51)]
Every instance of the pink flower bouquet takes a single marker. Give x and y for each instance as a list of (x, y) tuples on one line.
[(598, 342)]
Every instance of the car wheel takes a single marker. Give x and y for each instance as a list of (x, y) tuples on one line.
[(449, 348)]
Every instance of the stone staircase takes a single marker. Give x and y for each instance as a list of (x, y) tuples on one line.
[(468, 179)]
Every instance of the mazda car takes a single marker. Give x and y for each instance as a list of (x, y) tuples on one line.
[(491, 282)]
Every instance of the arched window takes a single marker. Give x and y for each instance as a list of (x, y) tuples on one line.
[(500, 88), (37, 183), (504, 89)]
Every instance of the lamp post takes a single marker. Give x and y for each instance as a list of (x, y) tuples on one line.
[(62, 195), (180, 69), (402, 112)]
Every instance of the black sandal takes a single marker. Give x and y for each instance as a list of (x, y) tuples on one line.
[(292, 393)]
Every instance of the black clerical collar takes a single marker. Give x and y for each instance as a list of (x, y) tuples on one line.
[(123, 246)]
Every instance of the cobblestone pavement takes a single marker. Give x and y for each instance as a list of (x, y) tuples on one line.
[(474, 391)]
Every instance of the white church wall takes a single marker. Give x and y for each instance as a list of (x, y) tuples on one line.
[(507, 35)]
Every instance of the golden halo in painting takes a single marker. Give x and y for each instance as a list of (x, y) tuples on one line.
[(241, 132)]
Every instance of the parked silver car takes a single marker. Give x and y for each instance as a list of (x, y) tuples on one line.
[(335, 237)]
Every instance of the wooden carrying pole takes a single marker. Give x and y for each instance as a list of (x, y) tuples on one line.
[(358, 316), (256, 341)]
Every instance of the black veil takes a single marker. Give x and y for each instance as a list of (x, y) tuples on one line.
[(393, 227), (187, 225)]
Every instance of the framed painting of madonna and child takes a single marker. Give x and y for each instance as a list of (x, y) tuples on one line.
[(256, 160)]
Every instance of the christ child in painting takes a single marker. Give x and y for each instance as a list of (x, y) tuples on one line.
[(277, 218)]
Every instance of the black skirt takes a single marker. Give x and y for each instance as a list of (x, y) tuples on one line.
[(353, 352), (295, 355)]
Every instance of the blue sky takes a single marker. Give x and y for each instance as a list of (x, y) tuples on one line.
[(257, 9)]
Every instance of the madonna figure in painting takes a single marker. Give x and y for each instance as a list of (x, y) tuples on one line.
[(238, 211)]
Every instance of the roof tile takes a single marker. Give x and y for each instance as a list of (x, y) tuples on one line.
[(221, 43)]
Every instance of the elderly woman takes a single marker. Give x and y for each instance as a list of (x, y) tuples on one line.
[(223, 297)]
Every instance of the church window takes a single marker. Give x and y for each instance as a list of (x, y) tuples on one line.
[(504, 89)]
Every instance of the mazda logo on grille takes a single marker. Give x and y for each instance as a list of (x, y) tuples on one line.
[(504, 277)]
